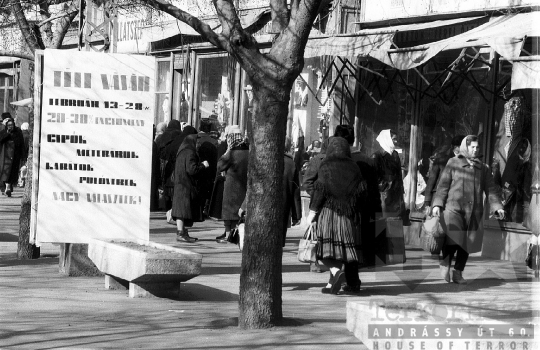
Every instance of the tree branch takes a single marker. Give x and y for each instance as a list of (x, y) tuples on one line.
[(280, 15), (28, 33), (63, 25), (203, 29), (26, 56), (46, 25)]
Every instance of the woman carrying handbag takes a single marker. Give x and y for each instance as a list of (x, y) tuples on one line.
[(337, 194)]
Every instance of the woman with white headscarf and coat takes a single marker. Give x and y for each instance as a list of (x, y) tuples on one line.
[(389, 179), (460, 194)]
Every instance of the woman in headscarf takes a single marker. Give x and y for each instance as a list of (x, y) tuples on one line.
[(235, 164), (186, 208), (389, 179), (336, 198), (460, 193), (11, 153), (160, 129)]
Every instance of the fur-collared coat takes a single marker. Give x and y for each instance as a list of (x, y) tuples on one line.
[(460, 193)]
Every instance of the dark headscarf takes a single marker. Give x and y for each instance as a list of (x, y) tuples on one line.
[(340, 178), (189, 143), (169, 135)]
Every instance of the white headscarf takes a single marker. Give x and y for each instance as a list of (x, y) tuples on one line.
[(385, 140)]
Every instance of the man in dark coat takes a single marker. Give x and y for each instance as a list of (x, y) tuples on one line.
[(186, 208), (235, 164), (167, 159), (460, 193), (11, 153), (207, 150)]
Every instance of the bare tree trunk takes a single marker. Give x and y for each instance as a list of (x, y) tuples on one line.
[(25, 250), (260, 281)]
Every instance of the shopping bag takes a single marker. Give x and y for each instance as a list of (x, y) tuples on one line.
[(389, 242), (307, 247), (532, 260), (233, 237), (432, 235), (170, 219)]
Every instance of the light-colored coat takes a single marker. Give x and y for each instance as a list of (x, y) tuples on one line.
[(460, 193)]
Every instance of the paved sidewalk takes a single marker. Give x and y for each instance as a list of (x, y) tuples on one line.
[(40, 309)]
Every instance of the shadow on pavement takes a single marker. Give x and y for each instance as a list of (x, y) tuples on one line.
[(33, 262)]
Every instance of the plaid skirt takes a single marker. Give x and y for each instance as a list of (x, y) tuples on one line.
[(335, 234)]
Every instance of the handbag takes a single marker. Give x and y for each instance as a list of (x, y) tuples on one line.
[(432, 235), (307, 247), (389, 241)]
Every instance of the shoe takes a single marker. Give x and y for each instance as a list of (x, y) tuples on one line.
[(352, 289), (457, 277), (326, 290), (445, 272), (223, 240), (224, 235), (185, 238), (336, 282), (187, 234)]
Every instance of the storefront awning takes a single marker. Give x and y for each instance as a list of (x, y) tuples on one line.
[(366, 42), (504, 34)]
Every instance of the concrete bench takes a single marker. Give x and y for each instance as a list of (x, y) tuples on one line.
[(146, 268)]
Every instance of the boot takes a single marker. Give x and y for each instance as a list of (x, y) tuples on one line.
[(457, 277), (445, 272), (183, 236)]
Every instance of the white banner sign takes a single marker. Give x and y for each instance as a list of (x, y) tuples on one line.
[(96, 147)]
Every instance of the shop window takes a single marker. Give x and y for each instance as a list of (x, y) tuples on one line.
[(215, 97), (454, 103), (511, 148), (163, 90), (7, 93)]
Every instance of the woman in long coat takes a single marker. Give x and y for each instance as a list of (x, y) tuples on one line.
[(235, 164), (336, 198), (186, 208), (390, 181), (460, 193), (11, 154)]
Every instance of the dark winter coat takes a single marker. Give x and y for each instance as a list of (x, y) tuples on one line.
[(235, 164), (460, 193), (292, 206), (207, 150), (390, 183), (11, 154), (186, 200)]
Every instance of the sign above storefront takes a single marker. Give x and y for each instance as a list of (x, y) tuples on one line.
[(380, 10)]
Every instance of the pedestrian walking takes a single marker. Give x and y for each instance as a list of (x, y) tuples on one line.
[(460, 195), (186, 208), (11, 154), (389, 178), (338, 193), (235, 164)]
